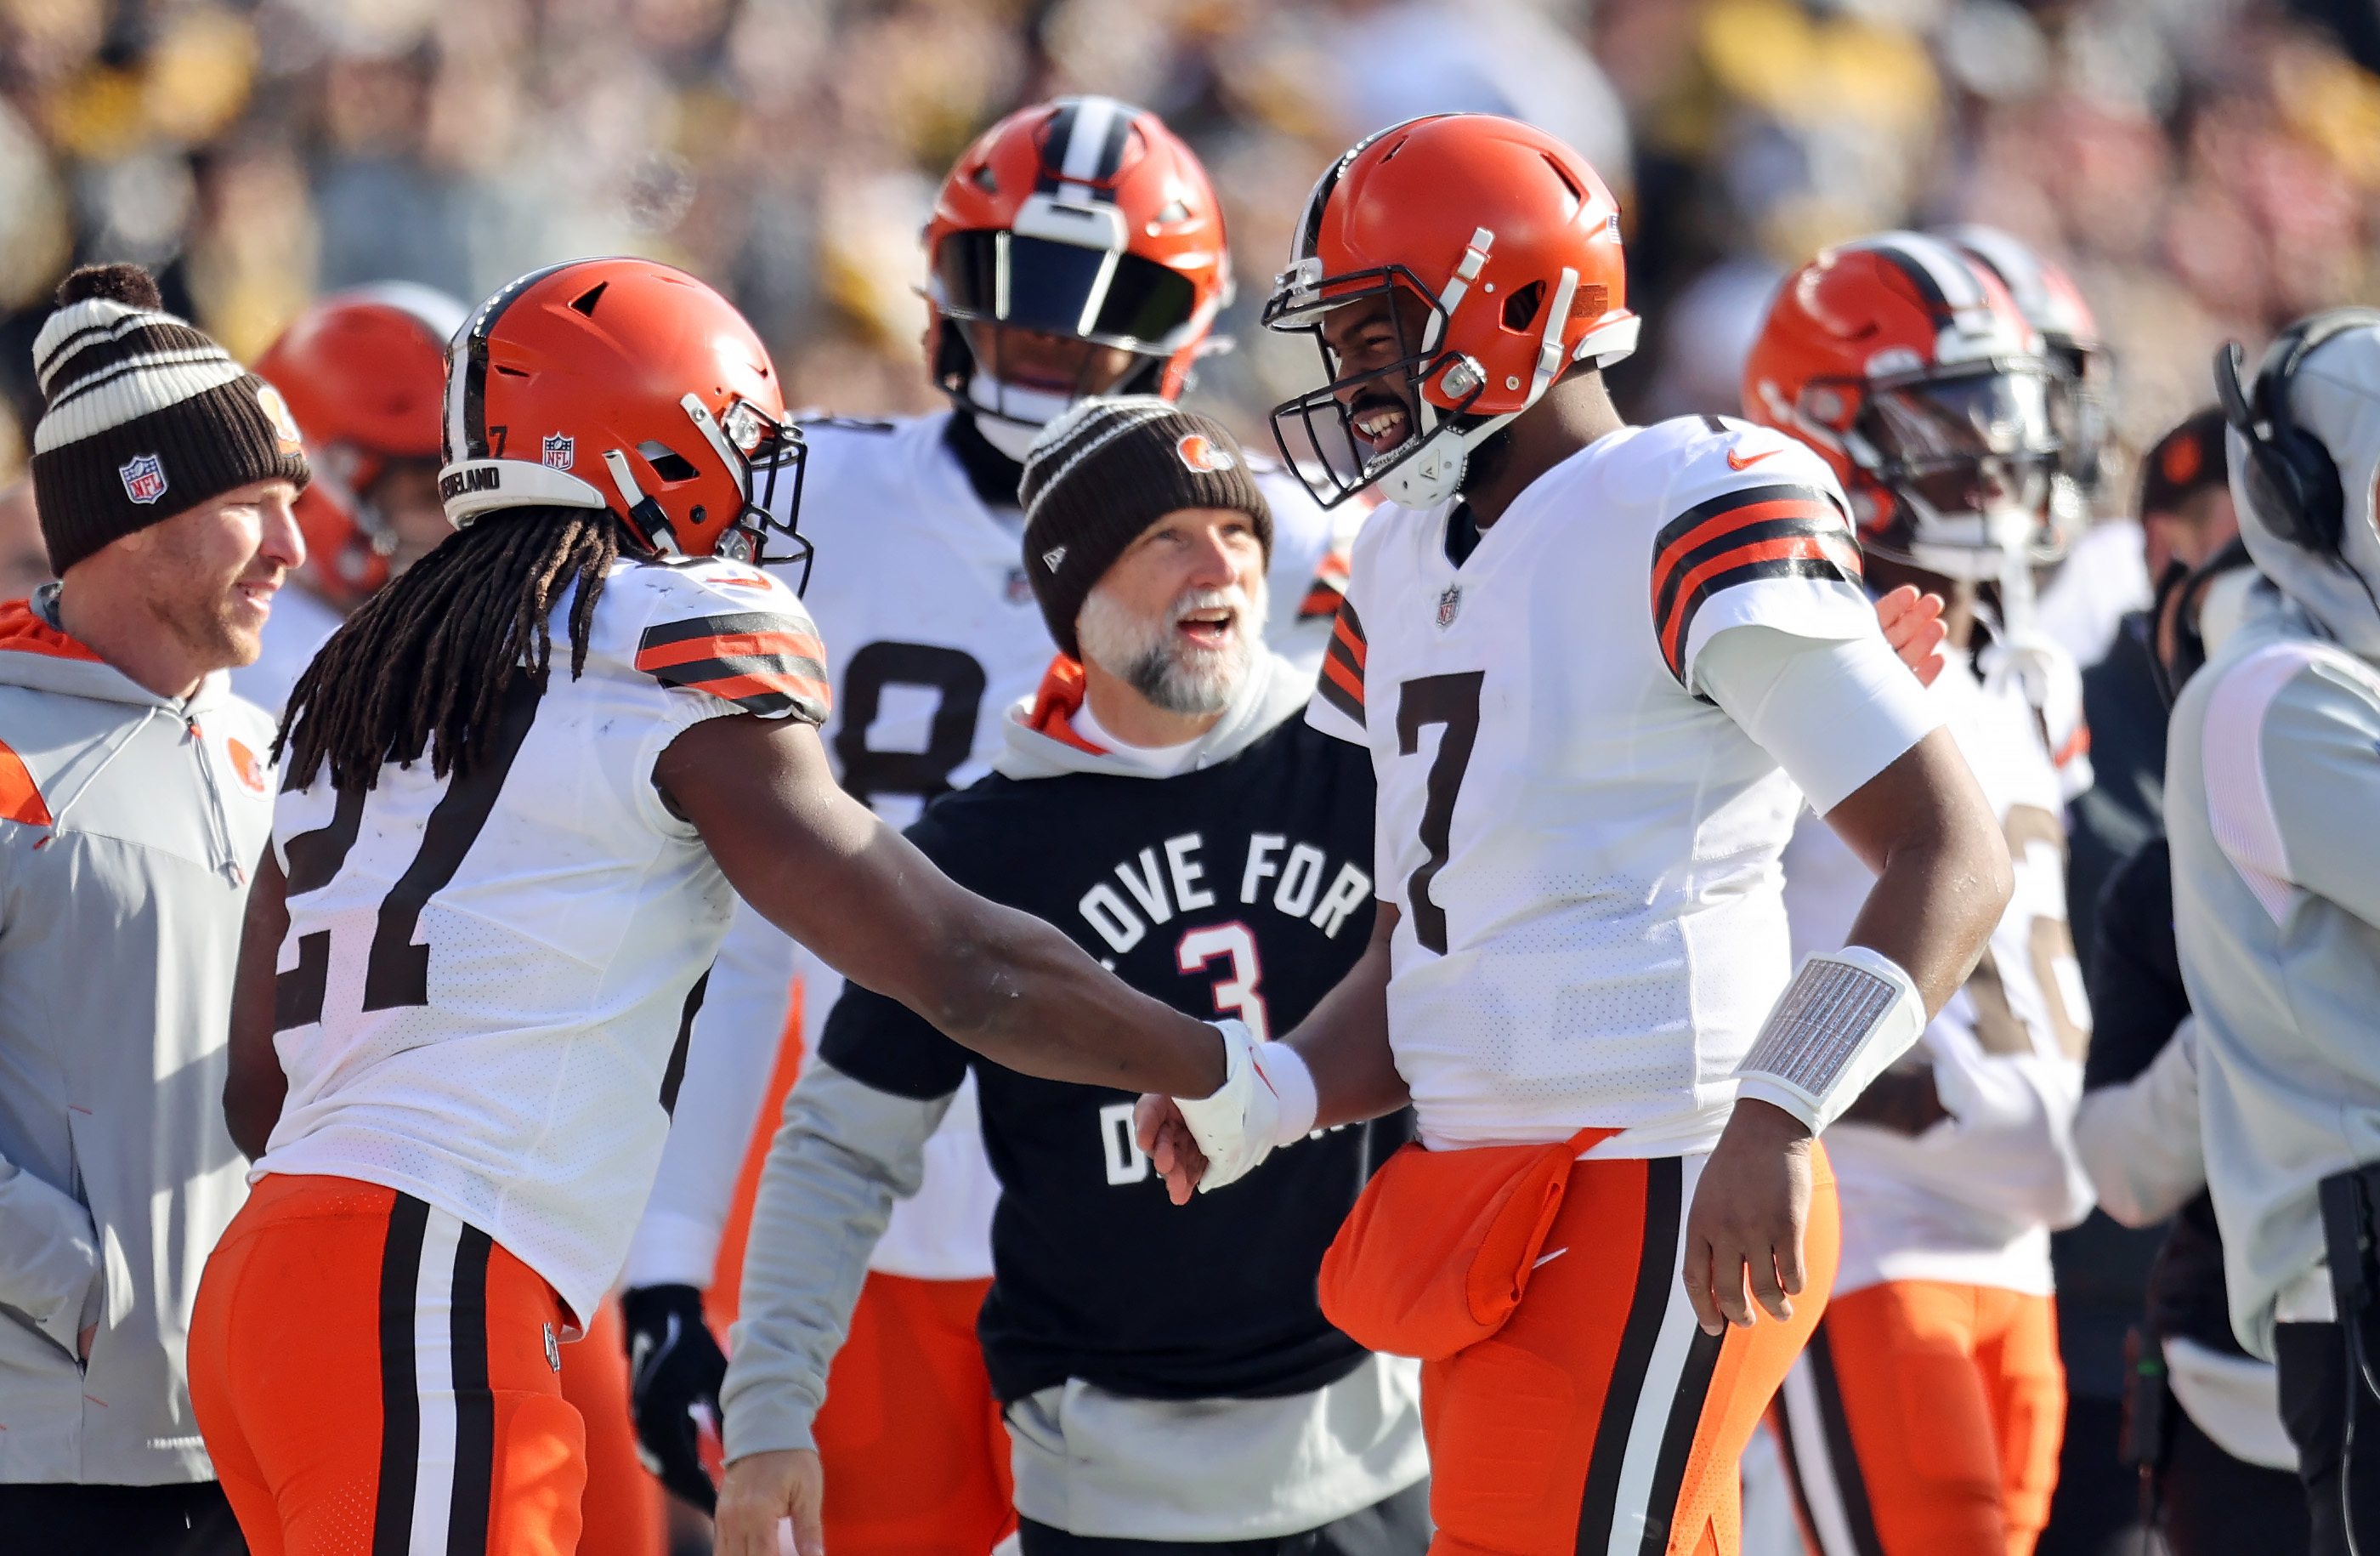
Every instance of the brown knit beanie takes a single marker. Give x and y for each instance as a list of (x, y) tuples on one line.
[(143, 416), (1103, 473)]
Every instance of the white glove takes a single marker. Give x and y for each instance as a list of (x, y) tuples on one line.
[(2053, 685), (1267, 1100)]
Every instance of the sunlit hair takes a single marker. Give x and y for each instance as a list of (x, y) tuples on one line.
[(1147, 655)]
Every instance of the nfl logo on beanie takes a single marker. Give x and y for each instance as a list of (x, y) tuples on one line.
[(143, 416), (144, 479)]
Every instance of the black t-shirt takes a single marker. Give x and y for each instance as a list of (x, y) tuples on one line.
[(1244, 889)]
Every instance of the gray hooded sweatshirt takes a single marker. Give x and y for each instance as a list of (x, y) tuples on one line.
[(128, 823), (2273, 805)]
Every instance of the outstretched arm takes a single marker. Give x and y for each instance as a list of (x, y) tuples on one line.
[(824, 869)]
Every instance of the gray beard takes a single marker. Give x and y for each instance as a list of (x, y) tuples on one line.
[(1146, 656)]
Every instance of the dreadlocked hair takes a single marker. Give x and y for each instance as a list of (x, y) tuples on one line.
[(421, 665)]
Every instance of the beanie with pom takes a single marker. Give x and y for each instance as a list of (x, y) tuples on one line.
[(143, 416)]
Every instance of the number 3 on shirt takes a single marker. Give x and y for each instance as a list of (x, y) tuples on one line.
[(398, 973), (1234, 995), (1451, 702)]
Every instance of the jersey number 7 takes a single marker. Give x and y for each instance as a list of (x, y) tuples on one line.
[(398, 973), (1452, 702)]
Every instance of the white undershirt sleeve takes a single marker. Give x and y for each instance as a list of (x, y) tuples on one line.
[(1833, 712)]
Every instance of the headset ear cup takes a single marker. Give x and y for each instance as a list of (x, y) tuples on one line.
[(2322, 504), (2273, 488)]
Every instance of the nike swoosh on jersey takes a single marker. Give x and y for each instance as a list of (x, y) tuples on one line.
[(1747, 462)]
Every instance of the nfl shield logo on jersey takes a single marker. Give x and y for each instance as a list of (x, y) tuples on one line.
[(1447, 604), (144, 479), (561, 452)]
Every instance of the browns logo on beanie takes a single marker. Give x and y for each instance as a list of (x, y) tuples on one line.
[(143, 416), (1103, 473)]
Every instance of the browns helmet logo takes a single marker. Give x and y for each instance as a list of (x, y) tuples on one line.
[(1201, 456), (285, 425), (244, 767)]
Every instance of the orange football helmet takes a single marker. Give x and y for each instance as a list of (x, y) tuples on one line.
[(363, 371), (2082, 406), (1509, 240), (1082, 218), (625, 385), (1909, 368)]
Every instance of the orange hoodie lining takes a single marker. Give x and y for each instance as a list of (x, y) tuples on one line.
[(1056, 703), (23, 630)]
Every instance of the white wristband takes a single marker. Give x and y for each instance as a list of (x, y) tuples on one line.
[(1841, 1021), (1292, 1084)]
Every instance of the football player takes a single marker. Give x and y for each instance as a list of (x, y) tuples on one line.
[(1926, 1415), (1076, 247), (500, 868), (362, 371), (1611, 663)]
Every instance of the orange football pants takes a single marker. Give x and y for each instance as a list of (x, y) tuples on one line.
[(623, 1502), (1925, 1418), (914, 1451), (1600, 1417), (375, 1377)]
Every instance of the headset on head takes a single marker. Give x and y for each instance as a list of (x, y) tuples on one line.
[(2290, 477)]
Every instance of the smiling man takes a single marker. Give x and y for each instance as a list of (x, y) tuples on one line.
[(134, 795), (1599, 669)]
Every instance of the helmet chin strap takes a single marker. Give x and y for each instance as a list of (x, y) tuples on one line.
[(1435, 475), (2005, 557), (1009, 417)]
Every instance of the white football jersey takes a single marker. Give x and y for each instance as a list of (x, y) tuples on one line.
[(1974, 1200), (920, 586), (1583, 850), (485, 974)]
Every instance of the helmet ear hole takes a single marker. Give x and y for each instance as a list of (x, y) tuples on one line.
[(670, 465), (1520, 308)]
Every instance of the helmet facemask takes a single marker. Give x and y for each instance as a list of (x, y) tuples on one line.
[(990, 286), (2080, 393), (764, 454), (1969, 460), (1321, 432)]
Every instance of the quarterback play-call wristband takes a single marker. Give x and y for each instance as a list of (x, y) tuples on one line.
[(1841, 1021)]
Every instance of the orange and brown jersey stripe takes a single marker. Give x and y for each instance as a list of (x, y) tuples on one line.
[(764, 662), (1341, 684), (1324, 595), (1740, 537)]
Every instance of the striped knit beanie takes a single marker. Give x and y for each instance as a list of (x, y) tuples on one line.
[(143, 416), (1102, 474)]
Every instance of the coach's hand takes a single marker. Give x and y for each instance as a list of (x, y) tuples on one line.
[(1913, 627), (762, 1489), (1749, 1214), (675, 1365)]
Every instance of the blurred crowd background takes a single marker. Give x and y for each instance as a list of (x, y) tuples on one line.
[(2204, 166)]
